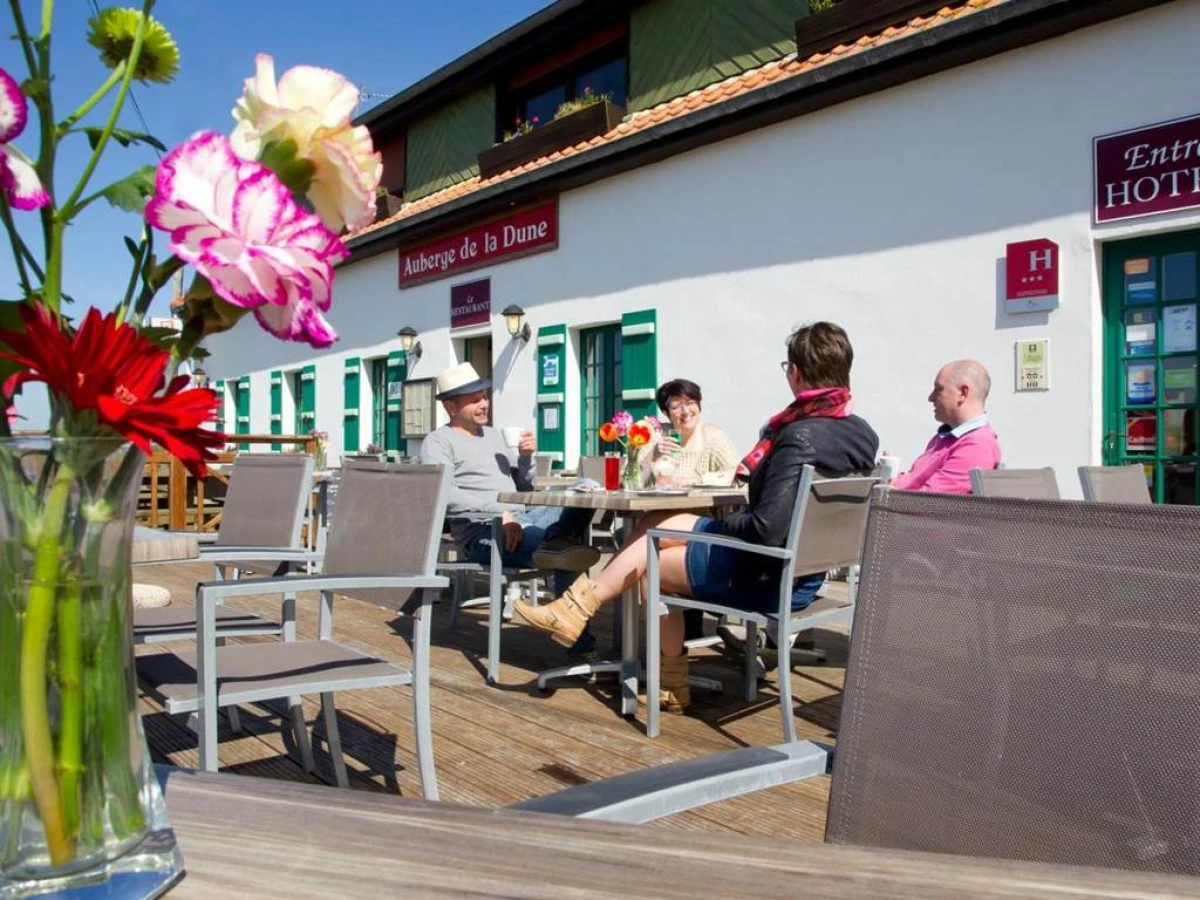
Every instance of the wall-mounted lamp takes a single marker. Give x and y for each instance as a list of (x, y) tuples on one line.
[(408, 341), (514, 321)]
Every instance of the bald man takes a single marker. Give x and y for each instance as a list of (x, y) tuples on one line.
[(965, 441)]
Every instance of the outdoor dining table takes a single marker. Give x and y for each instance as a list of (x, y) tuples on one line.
[(256, 837), (629, 506)]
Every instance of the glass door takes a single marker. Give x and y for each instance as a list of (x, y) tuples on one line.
[(478, 352), (1150, 360), (600, 381), (379, 381)]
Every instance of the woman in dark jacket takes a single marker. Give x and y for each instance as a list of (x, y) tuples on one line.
[(817, 428)]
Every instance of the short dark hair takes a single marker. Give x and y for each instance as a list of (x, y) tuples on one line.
[(678, 387), (822, 353)]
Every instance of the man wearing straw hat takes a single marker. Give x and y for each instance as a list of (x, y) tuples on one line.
[(482, 465)]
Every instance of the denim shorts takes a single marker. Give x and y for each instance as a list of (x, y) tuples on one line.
[(711, 572)]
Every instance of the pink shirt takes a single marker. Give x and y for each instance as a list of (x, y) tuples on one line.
[(946, 464)]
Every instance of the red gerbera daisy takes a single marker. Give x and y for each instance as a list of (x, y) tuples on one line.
[(112, 370)]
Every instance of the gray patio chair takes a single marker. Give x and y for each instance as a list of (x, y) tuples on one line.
[(829, 517), (382, 548), (1114, 484), (543, 464), (1021, 685), (1019, 484), (259, 531)]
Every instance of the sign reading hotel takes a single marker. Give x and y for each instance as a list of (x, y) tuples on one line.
[(520, 234), (1147, 171), (1031, 276), (471, 303)]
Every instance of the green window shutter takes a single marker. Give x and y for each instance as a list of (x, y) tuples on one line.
[(443, 147), (219, 388), (678, 46), (242, 422), (350, 401), (639, 362), (397, 372), (277, 406), (552, 392)]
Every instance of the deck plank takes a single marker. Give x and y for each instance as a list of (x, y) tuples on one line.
[(495, 746)]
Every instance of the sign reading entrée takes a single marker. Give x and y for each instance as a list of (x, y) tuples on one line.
[(1148, 170), (471, 303), (520, 234)]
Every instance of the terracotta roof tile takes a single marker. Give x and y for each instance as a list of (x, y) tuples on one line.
[(728, 88)]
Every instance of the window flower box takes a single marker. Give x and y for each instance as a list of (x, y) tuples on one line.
[(565, 131)]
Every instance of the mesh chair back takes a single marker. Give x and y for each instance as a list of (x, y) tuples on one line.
[(592, 467), (831, 533), (388, 521), (1018, 484), (264, 507), (1022, 683), (542, 464), (1114, 484)]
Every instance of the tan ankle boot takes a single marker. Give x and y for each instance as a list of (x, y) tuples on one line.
[(565, 618), (675, 693)]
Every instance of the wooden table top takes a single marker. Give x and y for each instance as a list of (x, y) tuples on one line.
[(253, 837), (627, 501), (150, 545)]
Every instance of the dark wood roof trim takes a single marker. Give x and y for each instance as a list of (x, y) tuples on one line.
[(849, 20), (590, 44), (1009, 26)]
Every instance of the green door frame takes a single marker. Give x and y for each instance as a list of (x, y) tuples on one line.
[(1174, 457)]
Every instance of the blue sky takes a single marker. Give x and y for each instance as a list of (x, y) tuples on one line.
[(381, 45)]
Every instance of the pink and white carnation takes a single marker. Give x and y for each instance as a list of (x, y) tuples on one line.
[(241, 228), (18, 178), (313, 107)]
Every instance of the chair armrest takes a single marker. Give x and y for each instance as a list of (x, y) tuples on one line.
[(212, 591), (648, 794), (720, 540), (257, 554)]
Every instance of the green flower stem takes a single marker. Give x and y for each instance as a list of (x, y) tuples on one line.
[(35, 714), (84, 108), (67, 211), (70, 692), (19, 249), (23, 37), (127, 815), (189, 340)]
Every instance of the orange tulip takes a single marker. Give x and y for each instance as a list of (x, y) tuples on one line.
[(639, 435), (608, 432)]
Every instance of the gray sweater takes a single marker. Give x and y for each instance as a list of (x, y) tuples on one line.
[(481, 466)]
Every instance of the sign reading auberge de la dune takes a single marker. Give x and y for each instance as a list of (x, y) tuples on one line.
[(519, 234)]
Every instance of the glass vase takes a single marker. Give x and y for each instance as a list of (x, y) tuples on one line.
[(81, 813), (633, 477)]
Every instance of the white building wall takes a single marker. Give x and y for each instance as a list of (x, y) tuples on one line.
[(888, 215)]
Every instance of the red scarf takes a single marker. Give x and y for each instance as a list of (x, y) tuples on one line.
[(829, 403)]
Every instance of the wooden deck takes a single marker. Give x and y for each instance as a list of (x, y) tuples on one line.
[(499, 745)]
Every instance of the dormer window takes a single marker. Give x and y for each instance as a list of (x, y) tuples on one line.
[(536, 94)]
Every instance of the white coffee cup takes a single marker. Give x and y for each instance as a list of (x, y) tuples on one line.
[(512, 435), (889, 468)]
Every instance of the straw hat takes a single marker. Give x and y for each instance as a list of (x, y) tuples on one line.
[(458, 380)]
